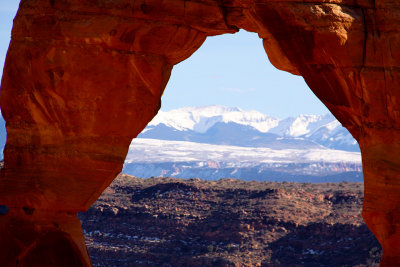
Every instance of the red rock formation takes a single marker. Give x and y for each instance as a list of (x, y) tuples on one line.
[(83, 77)]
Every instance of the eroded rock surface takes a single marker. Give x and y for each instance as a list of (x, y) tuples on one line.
[(83, 77), (228, 222)]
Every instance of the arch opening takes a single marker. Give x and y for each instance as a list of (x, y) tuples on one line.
[(213, 102)]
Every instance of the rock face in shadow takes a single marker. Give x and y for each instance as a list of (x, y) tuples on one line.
[(82, 78)]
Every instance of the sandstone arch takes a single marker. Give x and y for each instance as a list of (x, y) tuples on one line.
[(83, 77)]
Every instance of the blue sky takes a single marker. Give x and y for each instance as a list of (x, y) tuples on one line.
[(230, 70), (7, 13)]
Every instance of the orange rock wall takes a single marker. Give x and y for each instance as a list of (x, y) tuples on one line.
[(84, 77)]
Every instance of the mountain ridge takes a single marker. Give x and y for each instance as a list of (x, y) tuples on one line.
[(214, 142), (198, 124)]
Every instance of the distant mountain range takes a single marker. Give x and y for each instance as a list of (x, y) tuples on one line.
[(214, 142), (232, 126)]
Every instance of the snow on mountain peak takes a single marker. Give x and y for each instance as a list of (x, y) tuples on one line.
[(305, 124), (322, 129), (200, 119), (197, 122)]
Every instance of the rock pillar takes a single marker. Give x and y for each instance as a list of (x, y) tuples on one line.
[(381, 207)]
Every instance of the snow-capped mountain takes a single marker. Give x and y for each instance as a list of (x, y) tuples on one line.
[(233, 126), (200, 119), (301, 125), (214, 141), (333, 135)]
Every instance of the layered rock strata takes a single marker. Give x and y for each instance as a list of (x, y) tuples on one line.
[(84, 77)]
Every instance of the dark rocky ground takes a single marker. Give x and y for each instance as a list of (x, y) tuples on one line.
[(173, 222)]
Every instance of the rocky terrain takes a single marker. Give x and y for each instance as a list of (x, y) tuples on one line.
[(228, 222)]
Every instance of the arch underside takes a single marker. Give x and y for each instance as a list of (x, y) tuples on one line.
[(82, 78)]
